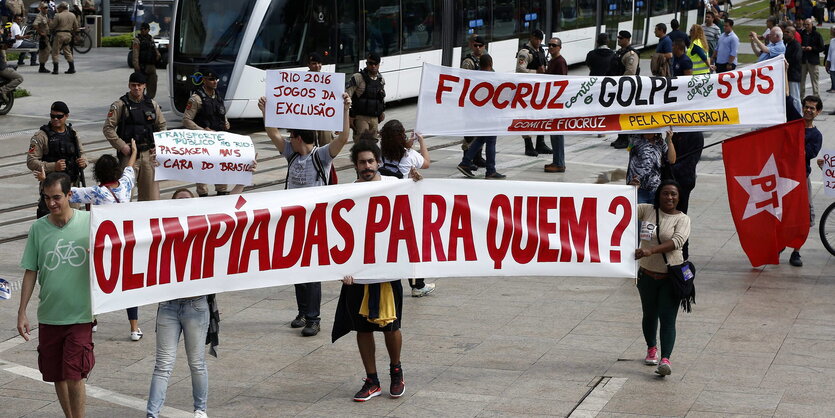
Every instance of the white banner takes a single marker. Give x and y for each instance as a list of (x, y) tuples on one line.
[(458, 102), (146, 252), (304, 100), (204, 157), (828, 170)]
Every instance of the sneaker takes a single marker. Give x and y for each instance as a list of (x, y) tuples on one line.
[(136, 335), (398, 386), (495, 176), (530, 152), (200, 414), (795, 259), (652, 356), (310, 329), (466, 170), (368, 391), (298, 322), (665, 368), (423, 291)]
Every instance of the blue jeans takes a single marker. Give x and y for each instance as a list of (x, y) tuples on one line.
[(475, 150), (646, 196), (558, 145), (189, 316)]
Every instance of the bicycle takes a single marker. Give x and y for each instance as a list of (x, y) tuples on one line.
[(75, 255), (7, 106), (826, 227), (81, 41)]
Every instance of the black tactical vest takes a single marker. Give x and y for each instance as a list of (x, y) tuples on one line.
[(537, 57), (62, 147), (372, 102), (138, 123), (212, 113)]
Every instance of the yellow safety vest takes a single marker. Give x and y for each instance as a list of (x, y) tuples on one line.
[(699, 65)]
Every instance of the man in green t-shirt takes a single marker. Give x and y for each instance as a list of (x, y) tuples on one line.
[(56, 255)]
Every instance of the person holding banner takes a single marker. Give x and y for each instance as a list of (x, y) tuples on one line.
[(205, 111), (645, 162), (471, 62), (314, 64), (556, 66), (136, 117), (367, 89), (308, 166), (56, 257), (377, 307), (663, 230), (531, 59)]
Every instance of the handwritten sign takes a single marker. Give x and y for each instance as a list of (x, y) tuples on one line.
[(204, 156), (828, 169), (304, 100)]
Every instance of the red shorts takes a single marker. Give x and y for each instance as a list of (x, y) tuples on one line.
[(65, 352)]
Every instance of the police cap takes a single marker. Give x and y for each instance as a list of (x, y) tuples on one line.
[(373, 58), (624, 34), (60, 107), (137, 77)]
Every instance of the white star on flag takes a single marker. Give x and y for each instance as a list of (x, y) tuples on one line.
[(766, 191)]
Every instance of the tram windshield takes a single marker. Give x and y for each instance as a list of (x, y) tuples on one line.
[(210, 30)]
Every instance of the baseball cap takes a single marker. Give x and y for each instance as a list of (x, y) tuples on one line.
[(60, 107), (624, 34), (478, 39), (138, 78)]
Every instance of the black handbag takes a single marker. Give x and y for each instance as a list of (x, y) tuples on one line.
[(682, 276)]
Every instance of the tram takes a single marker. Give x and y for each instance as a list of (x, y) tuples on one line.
[(239, 40)]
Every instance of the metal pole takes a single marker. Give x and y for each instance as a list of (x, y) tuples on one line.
[(105, 6)]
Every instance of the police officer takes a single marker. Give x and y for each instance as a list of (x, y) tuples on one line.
[(64, 25), (56, 147), (136, 117), (367, 91), (314, 64), (205, 111), (531, 59), (145, 57), (471, 62), (41, 25)]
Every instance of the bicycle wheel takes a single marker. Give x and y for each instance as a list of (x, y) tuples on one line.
[(827, 229), (6, 107), (82, 43)]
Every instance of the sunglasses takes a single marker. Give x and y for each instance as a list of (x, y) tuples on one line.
[(56, 115), (478, 45), (372, 63), (553, 45)]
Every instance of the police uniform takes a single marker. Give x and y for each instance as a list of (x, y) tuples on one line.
[(63, 26), (204, 112), (47, 147), (15, 7), (41, 24), (129, 119), (368, 101), (145, 57), (532, 60)]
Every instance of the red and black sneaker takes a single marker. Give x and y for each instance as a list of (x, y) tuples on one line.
[(398, 386), (368, 391)]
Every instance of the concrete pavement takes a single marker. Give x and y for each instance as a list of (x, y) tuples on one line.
[(758, 343)]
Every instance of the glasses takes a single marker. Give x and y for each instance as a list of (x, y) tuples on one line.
[(56, 115), (478, 45), (554, 45), (372, 63)]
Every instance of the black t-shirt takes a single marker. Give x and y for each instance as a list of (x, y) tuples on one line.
[(681, 64)]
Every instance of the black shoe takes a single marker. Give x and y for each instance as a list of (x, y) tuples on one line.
[(479, 162), (311, 329), (495, 176), (832, 112), (530, 152), (620, 143), (466, 170), (54, 68), (71, 70), (795, 259), (43, 69), (298, 322), (543, 149)]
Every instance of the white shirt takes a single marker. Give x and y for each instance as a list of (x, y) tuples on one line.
[(15, 33), (830, 56)]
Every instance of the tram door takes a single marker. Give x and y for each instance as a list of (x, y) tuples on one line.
[(617, 16), (348, 27), (639, 16)]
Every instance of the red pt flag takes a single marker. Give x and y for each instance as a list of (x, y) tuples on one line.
[(766, 175)]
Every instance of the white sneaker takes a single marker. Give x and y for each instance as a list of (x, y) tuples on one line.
[(425, 290), (136, 335), (200, 414)]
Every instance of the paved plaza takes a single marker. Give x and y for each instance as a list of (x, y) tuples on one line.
[(758, 343)]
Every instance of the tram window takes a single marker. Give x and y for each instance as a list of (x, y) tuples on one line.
[(473, 18), (289, 30), (211, 29), (532, 16), (382, 26), (661, 7), (567, 15), (504, 19), (421, 28)]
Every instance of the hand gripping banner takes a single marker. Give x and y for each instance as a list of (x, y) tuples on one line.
[(458, 102), (146, 252)]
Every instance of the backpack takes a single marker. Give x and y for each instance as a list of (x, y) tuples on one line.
[(390, 169), (328, 178)]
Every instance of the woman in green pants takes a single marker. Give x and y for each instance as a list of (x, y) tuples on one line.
[(663, 230)]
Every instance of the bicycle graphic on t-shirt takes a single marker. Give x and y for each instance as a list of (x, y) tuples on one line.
[(75, 255)]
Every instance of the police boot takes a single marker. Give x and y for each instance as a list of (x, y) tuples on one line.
[(43, 69), (541, 147), (71, 70), (529, 151), (54, 68)]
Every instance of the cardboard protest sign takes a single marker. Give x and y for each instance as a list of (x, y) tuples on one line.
[(204, 156), (146, 252), (304, 100), (458, 102), (828, 169)]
